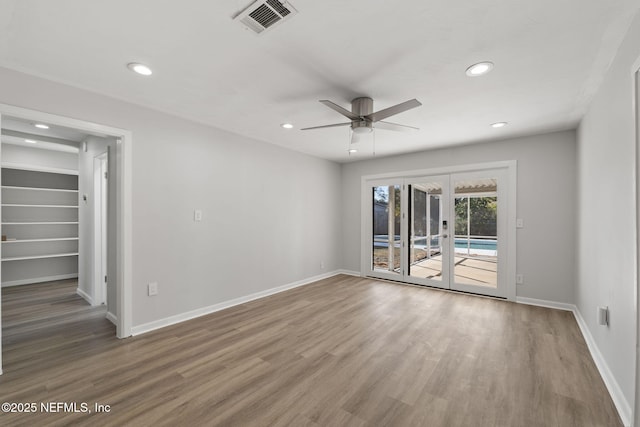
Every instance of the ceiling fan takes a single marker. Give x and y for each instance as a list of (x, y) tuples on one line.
[(363, 118)]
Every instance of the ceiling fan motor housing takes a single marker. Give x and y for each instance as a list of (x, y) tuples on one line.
[(362, 107)]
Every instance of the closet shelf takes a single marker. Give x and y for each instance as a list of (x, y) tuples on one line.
[(41, 223), (22, 258), (15, 187), (15, 205), (54, 239), (41, 217)]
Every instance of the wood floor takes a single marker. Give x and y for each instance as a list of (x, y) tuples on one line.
[(342, 351)]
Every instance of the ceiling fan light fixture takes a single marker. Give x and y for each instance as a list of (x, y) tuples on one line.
[(362, 129), (30, 141), (286, 125), (41, 126), (479, 69), (499, 124)]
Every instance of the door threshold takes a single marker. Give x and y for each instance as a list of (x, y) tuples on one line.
[(435, 288)]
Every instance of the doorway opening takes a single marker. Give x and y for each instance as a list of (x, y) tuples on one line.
[(61, 227)]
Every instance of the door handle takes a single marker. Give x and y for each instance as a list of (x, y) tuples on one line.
[(444, 236)]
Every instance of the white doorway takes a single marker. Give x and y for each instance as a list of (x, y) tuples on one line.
[(100, 226), (121, 207), (446, 230)]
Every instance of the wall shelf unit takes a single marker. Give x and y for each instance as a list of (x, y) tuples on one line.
[(39, 225)]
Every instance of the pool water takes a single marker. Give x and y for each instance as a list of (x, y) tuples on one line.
[(490, 245), (485, 244)]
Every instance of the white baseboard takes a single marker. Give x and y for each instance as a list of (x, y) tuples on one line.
[(545, 303), (84, 295), (112, 318), (171, 320), (39, 280), (623, 407), (348, 272)]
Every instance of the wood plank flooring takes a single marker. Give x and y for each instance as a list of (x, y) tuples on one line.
[(344, 351)]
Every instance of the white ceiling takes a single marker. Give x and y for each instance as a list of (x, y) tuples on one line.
[(549, 55)]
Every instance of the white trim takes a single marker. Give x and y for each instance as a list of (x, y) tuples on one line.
[(442, 170), (27, 167), (85, 295), (112, 318), (123, 158), (623, 407), (39, 280), (178, 318), (546, 303), (348, 272)]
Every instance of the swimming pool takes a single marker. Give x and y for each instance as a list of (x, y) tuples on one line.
[(381, 241), (487, 244)]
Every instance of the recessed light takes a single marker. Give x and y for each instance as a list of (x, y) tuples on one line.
[(139, 68), (30, 141), (352, 150), (41, 126), (479, 69), (287, 125), (498, 124)]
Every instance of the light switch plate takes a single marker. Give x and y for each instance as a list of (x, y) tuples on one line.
[(153, 288), (197, 215)]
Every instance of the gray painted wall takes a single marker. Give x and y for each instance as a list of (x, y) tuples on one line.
[(546, 194), (271, 216), (606, 249)]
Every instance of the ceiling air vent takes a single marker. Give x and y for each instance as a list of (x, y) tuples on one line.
[(262, 15)]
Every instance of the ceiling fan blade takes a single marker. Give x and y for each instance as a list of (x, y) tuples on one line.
[(394, 126), (328, 126), (340, 110), (392, 111)]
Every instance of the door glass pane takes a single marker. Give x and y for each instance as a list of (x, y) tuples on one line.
[(386, 229), (425, 231), (476, 236)]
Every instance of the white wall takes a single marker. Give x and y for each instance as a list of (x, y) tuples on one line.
[(606, 252), (270, 215), (26, 155), (546, 201)]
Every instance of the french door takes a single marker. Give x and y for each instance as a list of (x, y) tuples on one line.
[(447, 231)]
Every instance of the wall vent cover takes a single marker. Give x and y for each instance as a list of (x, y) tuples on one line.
[(262, 15)]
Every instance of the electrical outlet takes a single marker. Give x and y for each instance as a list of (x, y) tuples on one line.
[(152, 288), (603, 316), (519, 223), (519, 279)]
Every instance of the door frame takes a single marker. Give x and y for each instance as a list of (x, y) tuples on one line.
[(502, 231), (510, 167), (123, 160), (100, 236), (411, 181)]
